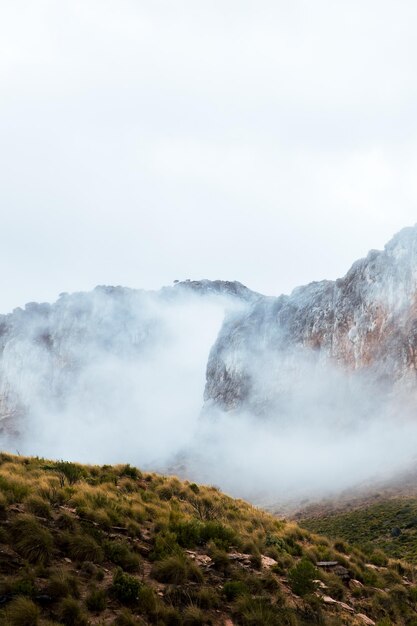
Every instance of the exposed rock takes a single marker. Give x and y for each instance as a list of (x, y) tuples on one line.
[(267, 561), (365, 619), (335, 568), (201, 559), (342, 605), (364, 324)]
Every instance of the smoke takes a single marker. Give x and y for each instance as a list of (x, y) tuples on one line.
[(119, 375)]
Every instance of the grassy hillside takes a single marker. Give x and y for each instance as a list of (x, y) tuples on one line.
[(390, 524), (110, 545)]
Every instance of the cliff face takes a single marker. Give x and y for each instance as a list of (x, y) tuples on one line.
[(99, 351), (364, 324), (282, 354)]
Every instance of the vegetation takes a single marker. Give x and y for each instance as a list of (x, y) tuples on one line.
[(90, 545), (389, 525)]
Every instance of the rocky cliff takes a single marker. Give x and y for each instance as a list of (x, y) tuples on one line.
[(88, 352), (364, 324), (98, 352)]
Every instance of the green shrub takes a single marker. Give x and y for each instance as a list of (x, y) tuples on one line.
[(14, 490), (24, 587), (301, 576), (196, 533), (341, 546), (335, 586), (147, 600), (38, 506), (176, 570), (84, 548), (193, 616), (378, 558), (232, 589), (257, 612), (22, 612), (65, 521), (125, 587), (206, 598), (71, 613), (130, 472), (165, 544), (31, 540), (58, 587), (69, 472), (96, 600), (120, 554)]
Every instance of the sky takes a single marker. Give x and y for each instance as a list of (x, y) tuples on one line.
[(271, 142)]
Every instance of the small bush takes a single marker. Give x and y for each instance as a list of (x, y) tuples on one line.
[(341, 546), (31, 540), (58, 587), (130, 472), (65, 521), (38, 506), (120, 554), (96, 600), (165, 545), (176, 570), (221, 560), (24, 587), (193, 616), (378, 558), (125, 587), (301, 576), (258, 612), (232, 589), (147, 600), (22, 612), (69, 472), (71, 613), (206, 598), (84, 548), (194, 533)]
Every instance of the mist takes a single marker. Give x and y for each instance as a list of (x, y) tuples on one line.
[(124, 383)]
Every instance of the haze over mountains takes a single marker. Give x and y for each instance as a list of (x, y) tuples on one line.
[(267, 397)]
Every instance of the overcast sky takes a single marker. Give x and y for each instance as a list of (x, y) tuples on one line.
[(271, 142)]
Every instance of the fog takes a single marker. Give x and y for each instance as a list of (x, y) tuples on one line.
[(124, 382)]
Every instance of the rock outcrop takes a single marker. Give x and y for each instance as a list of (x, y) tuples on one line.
[(364, 324)]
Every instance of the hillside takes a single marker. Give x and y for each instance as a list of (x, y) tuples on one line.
[(382, 517), (112, 545)]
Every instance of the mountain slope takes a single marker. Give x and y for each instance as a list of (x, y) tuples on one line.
[(111, 545)]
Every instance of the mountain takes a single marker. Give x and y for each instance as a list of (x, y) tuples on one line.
[(84, 545), (124, 374), (364, 325), (105, 353)]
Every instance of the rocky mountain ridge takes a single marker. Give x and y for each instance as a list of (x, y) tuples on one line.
[(364, 324)]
